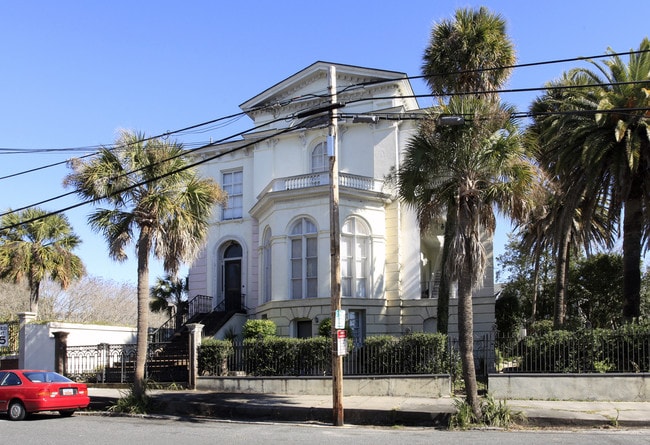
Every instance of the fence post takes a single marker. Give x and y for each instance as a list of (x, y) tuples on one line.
[(196, 332), (61, 352), (24, 319)]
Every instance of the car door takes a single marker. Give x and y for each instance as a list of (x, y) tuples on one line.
[(9, 383), (3, 390)]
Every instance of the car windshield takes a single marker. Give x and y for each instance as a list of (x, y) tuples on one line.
[(46, 376)]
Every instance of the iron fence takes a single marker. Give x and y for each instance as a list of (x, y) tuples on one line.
[(9, 335), (101, 363), (105, 363), (571, 353), (263, 359), (586, 352)]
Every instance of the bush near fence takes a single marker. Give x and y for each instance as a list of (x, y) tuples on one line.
[(281, 356), (623, 350), (213, 356)]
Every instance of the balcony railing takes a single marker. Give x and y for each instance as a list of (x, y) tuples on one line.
[(431, 288), (200, 304), (322, 178)]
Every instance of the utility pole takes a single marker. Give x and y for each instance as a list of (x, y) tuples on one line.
[(335, 253)]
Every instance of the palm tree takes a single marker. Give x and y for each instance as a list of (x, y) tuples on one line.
[(596, 134), (469, 170), (157, 202), (35, 246), (470, 53), (618, 150), (170, 294)]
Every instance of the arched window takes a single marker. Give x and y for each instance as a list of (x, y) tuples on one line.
[(355, 253), (319, 158), (304, 259), (266, 266)]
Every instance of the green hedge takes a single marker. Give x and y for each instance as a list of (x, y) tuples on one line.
[(281, 356), (417, 353), (626, 349), (213, 356)]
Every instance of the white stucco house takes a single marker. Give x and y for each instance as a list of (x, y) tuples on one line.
[(268, 252)]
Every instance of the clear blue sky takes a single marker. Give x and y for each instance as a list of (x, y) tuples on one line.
[(75, 72)]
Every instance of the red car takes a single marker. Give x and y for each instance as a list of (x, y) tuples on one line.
[(25, 391)]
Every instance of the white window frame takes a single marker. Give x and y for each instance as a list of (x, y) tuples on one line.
[(303, 259), (232, 182), (357, 323), (355, 258), (319, 158), (267, 267)]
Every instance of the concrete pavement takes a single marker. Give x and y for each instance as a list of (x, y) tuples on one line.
[(375, 410)]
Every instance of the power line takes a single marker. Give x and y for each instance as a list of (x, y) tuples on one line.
[(387, 116), (306, 112), (308, 96), (162, 135), (505, 67), (138, 184)]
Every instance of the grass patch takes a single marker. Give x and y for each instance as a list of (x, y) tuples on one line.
[(493, 414)]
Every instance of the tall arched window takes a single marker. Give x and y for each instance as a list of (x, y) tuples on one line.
[(266, 266), (304, 259), (355, 253), (319, 159)]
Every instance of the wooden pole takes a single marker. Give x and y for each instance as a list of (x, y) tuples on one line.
[(335, 255)]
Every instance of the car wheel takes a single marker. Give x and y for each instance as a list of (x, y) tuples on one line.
[(66, 413), (16, 410)]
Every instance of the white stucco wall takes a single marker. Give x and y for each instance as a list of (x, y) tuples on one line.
[(37, 346)]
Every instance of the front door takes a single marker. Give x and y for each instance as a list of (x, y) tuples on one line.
[(232, 277)]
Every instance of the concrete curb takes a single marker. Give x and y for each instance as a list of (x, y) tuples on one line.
[(378, 411)]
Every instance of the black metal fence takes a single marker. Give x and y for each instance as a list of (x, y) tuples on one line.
[(587, 352), (105, 363), (9, 335), (282, 359), (557, 352)]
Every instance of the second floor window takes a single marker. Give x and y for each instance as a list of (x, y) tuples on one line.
[(355, 247), (319, 160), (233, 184), (304, 259), (267, 271)]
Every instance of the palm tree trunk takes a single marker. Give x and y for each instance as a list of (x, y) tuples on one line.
[(33, 297), (466, 334), (533, 312), (559, 312), (144, 246), (445, 289), (632, 235)]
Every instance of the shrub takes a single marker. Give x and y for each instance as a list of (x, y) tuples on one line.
[(599, 350), (541, 327), (325, 328), (281, 356), (256, 329), (213, 356), (418, 353)]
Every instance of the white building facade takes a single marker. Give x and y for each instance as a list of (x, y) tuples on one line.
[(268, 251)]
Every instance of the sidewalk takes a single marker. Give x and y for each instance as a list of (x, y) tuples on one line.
[(361, 410)]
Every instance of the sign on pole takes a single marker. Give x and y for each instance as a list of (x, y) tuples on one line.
[(339, 319), (4, 335), (341, 342)]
